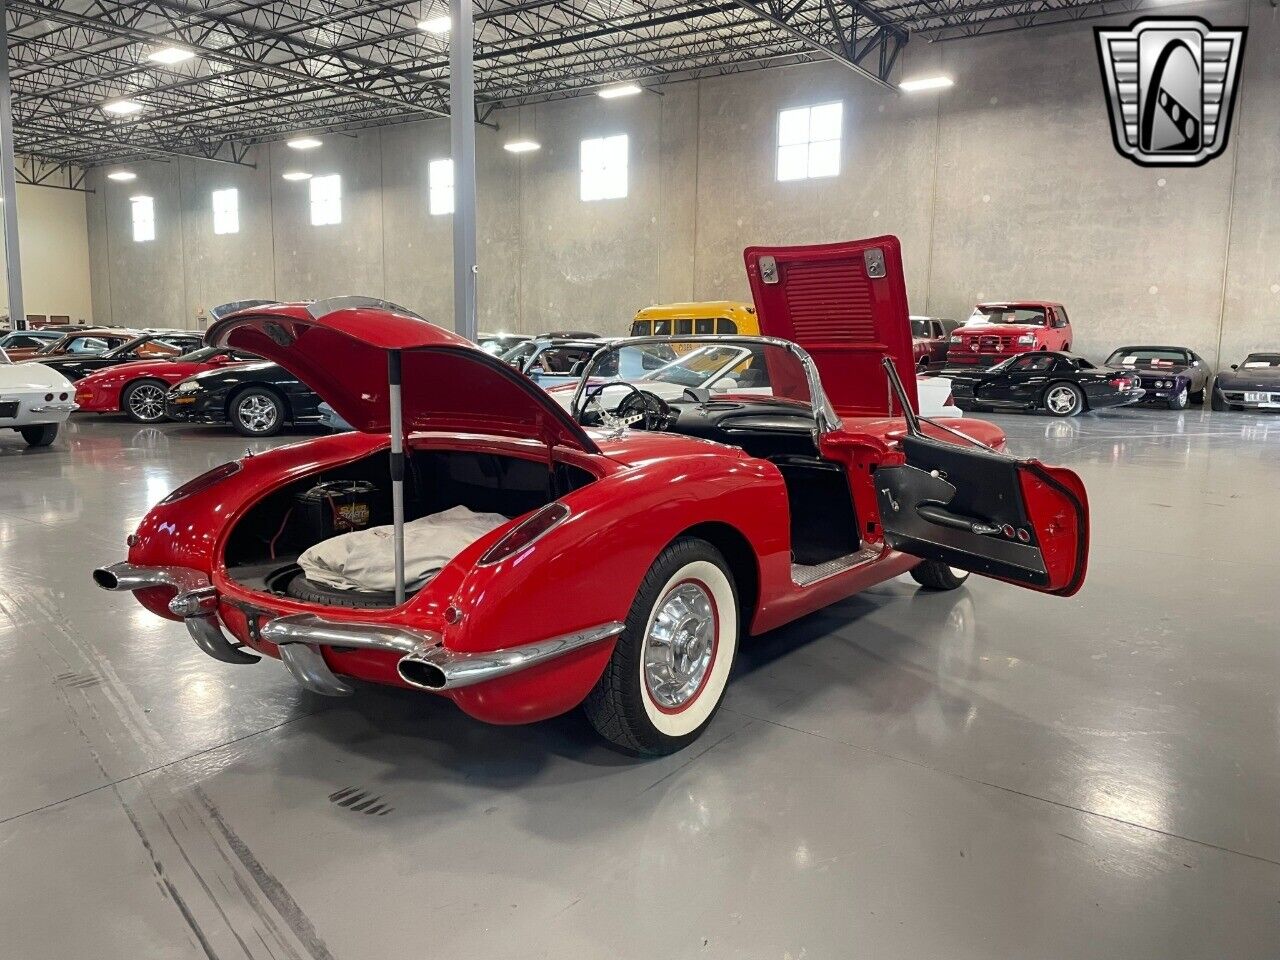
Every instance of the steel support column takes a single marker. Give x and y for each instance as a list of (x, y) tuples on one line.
[(462, 132), (8, 186)]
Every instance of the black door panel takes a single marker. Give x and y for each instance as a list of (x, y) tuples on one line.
[(965, 507)]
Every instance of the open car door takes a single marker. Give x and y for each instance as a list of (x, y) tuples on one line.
[(978, 510)]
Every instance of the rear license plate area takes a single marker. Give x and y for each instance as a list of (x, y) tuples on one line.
[(8, 409)]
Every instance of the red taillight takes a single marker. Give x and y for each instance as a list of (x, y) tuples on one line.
[(525, 533), (950, 401), (204, 481)]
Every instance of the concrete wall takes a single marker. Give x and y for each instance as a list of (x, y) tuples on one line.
[(1005, 186), (53, 240)]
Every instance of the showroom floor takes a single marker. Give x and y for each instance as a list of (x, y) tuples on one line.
[(989, 773)]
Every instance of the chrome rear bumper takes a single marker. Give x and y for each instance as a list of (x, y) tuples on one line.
[(424, 662)]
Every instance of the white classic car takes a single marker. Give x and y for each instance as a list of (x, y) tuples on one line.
[(34, 400)]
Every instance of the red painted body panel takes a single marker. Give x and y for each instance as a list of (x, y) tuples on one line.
[(448, 382), (823, 298), (100, 392), (986, 344)]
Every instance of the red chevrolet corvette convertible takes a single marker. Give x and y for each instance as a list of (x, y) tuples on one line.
[(626, 553), (138, 388)]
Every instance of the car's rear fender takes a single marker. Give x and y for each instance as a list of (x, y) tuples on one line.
[(189, 531), (587, 570)]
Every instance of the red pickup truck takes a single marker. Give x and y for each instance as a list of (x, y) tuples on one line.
[(997, 331)]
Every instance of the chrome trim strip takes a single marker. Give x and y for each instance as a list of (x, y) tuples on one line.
[(823, 411), (466, 669), (55, 408)]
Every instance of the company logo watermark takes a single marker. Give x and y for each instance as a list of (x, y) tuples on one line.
[(1171, 88)]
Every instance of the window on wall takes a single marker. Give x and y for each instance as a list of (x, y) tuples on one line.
[(143, 210), (440, 186), (604, 168), (226, 211), (326, 200), (809, 141)]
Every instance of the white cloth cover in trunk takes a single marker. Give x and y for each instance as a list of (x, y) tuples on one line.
[(365, 559)]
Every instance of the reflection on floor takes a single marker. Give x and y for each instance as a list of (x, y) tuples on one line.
[(987, 773)]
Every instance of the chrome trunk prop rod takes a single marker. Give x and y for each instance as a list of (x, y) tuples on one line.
[(397, 470)]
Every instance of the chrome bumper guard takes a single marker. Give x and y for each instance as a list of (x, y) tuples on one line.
[(424, 663), (196, 602)]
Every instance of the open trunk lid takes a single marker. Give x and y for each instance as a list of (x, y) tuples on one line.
[(340, 349)]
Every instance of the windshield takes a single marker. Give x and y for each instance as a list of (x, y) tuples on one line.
[(1031, 316), (201, 355), (702, 365), (518, 354), (744, 369), (1255, 360), (1147, 357)]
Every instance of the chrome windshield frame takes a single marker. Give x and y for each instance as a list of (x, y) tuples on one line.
[(824, 413)]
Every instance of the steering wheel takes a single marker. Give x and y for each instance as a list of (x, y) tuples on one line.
[(638, 408)]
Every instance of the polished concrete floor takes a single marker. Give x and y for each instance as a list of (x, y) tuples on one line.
[(989, 773)]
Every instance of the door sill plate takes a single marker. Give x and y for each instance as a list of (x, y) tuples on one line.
[(805, 575)]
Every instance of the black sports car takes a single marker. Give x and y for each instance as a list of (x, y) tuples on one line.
[(1061, 384), (1174, 376), (151, 346), (1251, 385), (258, 399)]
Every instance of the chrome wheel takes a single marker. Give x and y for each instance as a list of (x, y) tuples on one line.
[(257, 413), (680, 645), (1061, 400), (146, 403)]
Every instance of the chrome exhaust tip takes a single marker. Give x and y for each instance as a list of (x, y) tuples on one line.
[(419, 673), (106, 578)]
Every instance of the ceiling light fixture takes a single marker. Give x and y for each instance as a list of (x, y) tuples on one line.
[(521, 146), (435, 25), (926, 83), (303, 143), (122, 108), (122, 175), (296, 175), (170, 55), (619, 90)]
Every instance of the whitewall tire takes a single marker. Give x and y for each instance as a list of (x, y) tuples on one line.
[(671, 665)]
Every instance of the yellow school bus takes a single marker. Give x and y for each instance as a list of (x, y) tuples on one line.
[(696, 319)]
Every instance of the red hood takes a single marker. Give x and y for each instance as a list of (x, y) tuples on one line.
[(339, 348), (999, 329)]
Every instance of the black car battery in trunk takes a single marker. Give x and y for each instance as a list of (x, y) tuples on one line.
[(338, 506)]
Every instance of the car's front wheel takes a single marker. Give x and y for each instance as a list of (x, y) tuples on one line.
[(257, 412), (143, 401), (671, 664), (1178, 401), (1217, 401), (40, 434), (1063, 400)]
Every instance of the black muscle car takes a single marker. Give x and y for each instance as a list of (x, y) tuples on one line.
[(257, 399), (1174, 376), (1060, 384), (151, 346), (1251, 385)]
